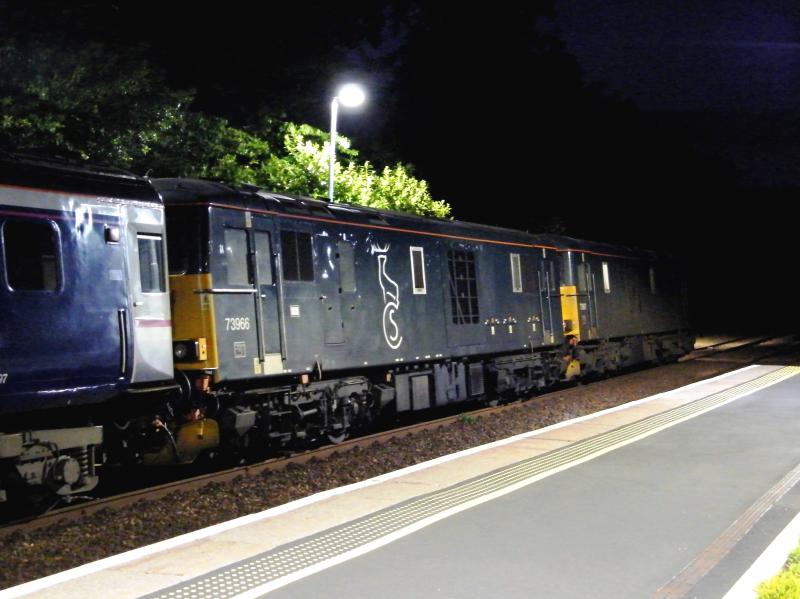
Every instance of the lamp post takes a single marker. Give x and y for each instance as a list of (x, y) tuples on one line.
[(350, 96)]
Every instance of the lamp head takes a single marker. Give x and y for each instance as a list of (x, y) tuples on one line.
[(351, 95)]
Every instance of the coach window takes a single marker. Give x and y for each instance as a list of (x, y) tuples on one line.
[(516, 274), (151, 263), (463, 287), (606, 278), (31, 255), (653, 288), (297, 256), (418, 270)]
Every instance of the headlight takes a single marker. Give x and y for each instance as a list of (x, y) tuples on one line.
[(180, 350), (190, 350)]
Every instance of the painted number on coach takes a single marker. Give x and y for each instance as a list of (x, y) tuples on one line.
[(237, 323), (3, 378)]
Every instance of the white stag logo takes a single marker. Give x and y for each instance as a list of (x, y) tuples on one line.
[(391, 299)]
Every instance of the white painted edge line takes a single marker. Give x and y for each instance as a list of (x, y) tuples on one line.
[(203, 533), (398, 534), (768, 564)]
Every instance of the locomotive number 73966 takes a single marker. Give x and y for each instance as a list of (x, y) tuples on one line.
[(237, 324)]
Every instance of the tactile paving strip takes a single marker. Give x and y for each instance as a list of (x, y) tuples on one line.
[(268, 567)]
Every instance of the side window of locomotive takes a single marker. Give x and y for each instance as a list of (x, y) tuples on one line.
[(516, 274), (418, 270), (31, 255), (653, 288), (179, 242), (151, 263), (463, 287), (236, 272), (264, 259), (606, 278), (585, 276), (297, 256), (580, 281), (347, 267), (530, 276)]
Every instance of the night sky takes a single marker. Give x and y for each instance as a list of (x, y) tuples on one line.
[(650, 124)]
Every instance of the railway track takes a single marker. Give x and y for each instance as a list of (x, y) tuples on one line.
[(80, 510)]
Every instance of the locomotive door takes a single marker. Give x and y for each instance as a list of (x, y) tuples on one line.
[(265, 278), (330, 298), (245, 304), (549, 301), (587, 301)]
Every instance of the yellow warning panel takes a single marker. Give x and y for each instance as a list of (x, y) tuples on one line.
[(193, 318), (569, 310)]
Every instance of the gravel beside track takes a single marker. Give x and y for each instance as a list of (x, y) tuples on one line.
[(30, 555)]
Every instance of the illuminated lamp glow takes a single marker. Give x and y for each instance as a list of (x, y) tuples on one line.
[(351, 95)]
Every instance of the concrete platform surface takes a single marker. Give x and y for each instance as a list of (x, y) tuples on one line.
[(623, 500)]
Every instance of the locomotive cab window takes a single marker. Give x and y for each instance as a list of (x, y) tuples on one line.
[(31, 255), (297, 256), (606, 278), (516, 274), (653, 288), (236, 271), (151, 263), (418, 270), (264, 257)]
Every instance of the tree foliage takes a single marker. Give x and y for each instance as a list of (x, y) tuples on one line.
[(93, 104), (87, 102)]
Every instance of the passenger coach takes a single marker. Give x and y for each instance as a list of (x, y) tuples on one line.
[(84, 312)]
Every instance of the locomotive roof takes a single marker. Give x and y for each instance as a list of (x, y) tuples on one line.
[(55, 174), (181, 191)]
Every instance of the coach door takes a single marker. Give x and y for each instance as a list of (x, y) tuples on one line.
[(150, 324)]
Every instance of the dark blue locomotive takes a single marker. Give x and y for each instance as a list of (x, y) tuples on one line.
[(285, 317), (299, 317)]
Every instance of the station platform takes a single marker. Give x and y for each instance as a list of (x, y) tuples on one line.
[(674, 495)]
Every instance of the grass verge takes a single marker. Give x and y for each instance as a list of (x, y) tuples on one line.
[(786, 584)]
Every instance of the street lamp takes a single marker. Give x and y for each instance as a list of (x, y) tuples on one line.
[(350, 95)]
